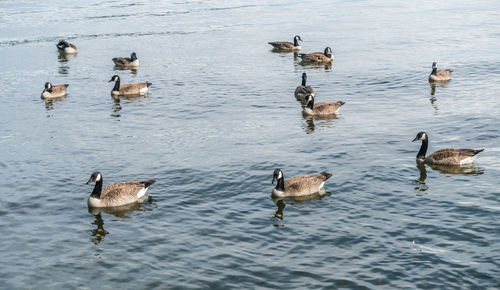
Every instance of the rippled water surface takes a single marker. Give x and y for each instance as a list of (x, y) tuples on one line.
[(221, 116)]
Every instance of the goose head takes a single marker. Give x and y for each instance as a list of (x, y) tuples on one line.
[(420, 136), (114, 78), (328, 51), (62, 44), (309, 100), (133, 56), (297, 38), (277, 175), (48, 87), (95, 177)]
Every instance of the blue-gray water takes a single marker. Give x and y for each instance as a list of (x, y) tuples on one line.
[(220, 117)]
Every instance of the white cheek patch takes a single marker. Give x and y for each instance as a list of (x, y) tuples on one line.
[(280, 175), (98, 178)]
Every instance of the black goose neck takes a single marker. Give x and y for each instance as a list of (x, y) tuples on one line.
[(423, 149), (434, 71), (280, 185), (310, 104), (117, 85), (304, 80), (295, 42), (96, 193)]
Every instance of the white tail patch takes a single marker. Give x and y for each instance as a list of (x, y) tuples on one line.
[(142, 192), (468, 160), (143, 91), (321, 185)]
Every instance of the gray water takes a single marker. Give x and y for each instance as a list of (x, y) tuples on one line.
[(221, 116)]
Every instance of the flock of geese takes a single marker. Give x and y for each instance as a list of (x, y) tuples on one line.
[(124, 193)]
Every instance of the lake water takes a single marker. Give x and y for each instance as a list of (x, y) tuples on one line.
[(221, 116)]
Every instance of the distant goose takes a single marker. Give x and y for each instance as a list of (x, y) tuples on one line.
[(439, 75), (286, 45), (65, 47), (298, 185), (131, 62), (444, 156), (128, 89), (318, 57), (52, 92), (323, 108), (302, 90), (116, 194)]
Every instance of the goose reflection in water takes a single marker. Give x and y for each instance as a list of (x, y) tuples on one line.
[(117, 107), (133, 70), (98, 234), (294, 201), (311, 122), (462, 170)]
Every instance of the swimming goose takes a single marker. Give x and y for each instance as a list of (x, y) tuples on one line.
[(302, 90), (287, 45), (298, 185), (439, 75), (132, 62), (65, 47), (116, 194), (318, 57), (444, 156), (52, 92), (128, 89), (322, 108)]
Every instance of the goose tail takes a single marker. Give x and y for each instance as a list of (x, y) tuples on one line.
[(341, 103), (326, 175), (148, 84)]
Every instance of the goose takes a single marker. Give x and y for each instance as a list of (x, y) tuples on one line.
[(65, 47), (298, 185), (116, 194), (128, 89), (132, 62), (302, 90), (322, 108), (52, 92), (318, 57), (439, 75), (444, 156), (286, 45)]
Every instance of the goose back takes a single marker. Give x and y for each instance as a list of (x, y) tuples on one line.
[(452, 156)]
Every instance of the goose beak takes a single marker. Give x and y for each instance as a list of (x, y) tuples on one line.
[(110, 80), (89, 181), (416, 139)]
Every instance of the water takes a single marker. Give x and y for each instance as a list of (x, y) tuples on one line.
[(220, 117)]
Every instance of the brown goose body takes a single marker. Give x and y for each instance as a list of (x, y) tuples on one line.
[(439, 75), (287, 45), (54, 91), (65, 47), (298, 185), (116, 194), (303, 89), (452, 156), (128, 89), (446, 157), (318, 57), (127, 62), (322, 108)]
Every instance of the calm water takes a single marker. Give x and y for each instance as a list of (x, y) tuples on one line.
[(220, 117)]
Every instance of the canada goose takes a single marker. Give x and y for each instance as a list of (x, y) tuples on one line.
[(132, 62), (322, 108), (52, 92), (444, 156), (302, 90), (298, 185), (318, 57), (116, 194), (287, 45), (128, 89), (439, 75), (65, 47)]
